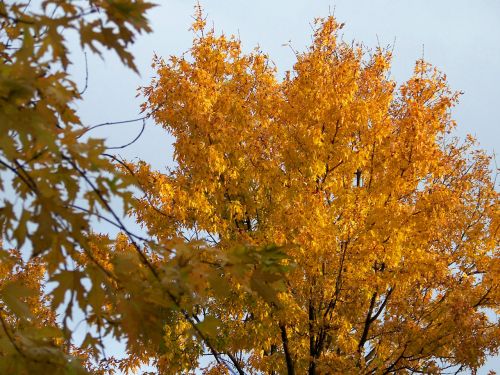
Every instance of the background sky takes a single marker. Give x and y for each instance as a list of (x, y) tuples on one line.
[(460, 37)]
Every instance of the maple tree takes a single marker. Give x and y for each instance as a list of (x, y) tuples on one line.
[(44, 162), (323, 223), (392, 223)]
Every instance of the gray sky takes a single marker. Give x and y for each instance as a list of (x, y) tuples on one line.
[(460, 37)]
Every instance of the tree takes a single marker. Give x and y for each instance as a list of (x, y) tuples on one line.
[(392, 223), (322, 223), (52, 180)]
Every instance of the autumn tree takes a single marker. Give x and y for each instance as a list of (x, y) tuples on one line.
[(390, 221), (53, 181), (323, 223)]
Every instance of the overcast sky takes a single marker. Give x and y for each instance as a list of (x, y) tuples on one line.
[(460, 37)]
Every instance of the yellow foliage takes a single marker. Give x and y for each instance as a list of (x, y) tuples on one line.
[(323, 223), (391, 223)]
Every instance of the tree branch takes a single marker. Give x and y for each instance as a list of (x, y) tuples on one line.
[(131, 142), (288, 358)]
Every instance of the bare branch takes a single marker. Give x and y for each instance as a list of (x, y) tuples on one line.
[(131, 142)]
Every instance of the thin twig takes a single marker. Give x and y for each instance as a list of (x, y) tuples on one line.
[(86, 75), (106, 220), (131, 142), (113, 123)]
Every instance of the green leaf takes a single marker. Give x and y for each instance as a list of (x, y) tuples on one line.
[(14, 295)]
